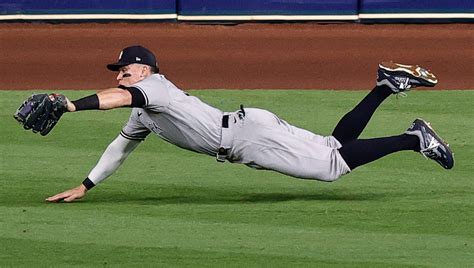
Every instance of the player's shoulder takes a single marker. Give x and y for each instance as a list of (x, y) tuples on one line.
[(156, 88), (154, 80)]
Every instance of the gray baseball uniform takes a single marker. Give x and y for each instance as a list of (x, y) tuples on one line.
[(251, 136), (257, 138)]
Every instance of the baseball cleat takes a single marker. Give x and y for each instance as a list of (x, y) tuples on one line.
[(431, 145), (400, 77)]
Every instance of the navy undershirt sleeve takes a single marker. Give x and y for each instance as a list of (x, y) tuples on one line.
[(138, 100)]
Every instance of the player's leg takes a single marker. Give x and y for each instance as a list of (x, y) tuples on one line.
[(420, 137), (263, 141), (362, 151), (351, 125), (392, 78)]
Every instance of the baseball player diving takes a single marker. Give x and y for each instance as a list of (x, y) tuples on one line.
[(251, 136)]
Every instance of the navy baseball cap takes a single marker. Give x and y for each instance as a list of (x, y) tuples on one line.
[(134, 54)]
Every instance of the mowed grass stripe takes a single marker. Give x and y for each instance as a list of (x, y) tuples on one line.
[(262, 238), (123, 256), (169, 207)]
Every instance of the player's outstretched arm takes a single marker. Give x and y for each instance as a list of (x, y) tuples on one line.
[(103, 100), (112, 158)]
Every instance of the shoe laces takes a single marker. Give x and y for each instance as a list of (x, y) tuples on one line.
[(403, 87), (429, 152)]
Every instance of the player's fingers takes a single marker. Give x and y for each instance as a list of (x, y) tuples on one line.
[(71, 198), (53, 199), (58, 197)]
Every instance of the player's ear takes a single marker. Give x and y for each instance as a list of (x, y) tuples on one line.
[(142, 71), (145, 71)]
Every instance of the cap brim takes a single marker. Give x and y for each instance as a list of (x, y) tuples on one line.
[(116, 66)]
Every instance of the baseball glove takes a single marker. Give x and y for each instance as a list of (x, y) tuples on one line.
[(41, 112)]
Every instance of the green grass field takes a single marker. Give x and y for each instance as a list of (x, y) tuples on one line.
[(169, 207)]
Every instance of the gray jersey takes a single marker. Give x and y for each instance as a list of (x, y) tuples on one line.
[(259, 139), (174, 116)]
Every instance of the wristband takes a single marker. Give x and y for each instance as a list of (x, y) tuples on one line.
[(88, 183), (87, 103)]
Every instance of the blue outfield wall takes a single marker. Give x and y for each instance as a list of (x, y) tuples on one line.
[(87, 10), (83, 7), (268, 7), (267, 10), (416, 6), (416, 10), (237, 10)]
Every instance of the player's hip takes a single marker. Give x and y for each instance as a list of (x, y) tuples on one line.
[(270, 145)]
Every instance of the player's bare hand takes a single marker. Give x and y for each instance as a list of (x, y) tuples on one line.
[(69, 195), (70, 106)]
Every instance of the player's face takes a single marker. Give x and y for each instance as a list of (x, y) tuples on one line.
[(133, 73)]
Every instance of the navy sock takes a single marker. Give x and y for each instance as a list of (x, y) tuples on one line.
[(360, 152), (353, 123)]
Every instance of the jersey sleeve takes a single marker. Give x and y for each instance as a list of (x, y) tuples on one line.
[(134, 129), (155, 92)]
